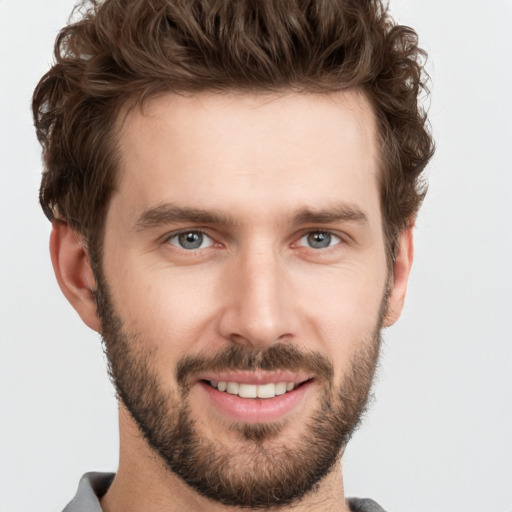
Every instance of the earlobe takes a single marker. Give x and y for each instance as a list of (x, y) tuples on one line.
[(73, 272), (400, 278)]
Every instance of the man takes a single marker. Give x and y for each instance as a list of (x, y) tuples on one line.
[(232, 188)]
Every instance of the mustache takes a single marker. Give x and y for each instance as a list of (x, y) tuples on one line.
[(237, 358)]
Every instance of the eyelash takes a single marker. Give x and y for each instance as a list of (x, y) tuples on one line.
[(197, 231), (176, 235), (330, 236)]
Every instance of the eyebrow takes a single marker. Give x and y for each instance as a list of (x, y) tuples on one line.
[(336, 213), (169, 213)]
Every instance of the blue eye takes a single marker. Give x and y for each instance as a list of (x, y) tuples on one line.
[(191, 240), (319, 240)]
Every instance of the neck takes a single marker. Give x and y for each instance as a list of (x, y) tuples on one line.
[(144, 483)]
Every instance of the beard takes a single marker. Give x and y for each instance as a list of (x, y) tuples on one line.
[(261, 469)]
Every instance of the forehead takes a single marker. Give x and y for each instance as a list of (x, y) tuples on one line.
[(254, 152)]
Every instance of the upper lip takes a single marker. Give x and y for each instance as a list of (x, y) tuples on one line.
[(255, 377)]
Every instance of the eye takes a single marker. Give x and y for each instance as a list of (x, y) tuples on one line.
[(319, 240), (190, 240)]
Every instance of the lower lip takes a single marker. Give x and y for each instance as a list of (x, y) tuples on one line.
[(256, 410)]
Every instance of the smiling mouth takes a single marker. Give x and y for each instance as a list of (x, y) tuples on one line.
[(244, 390)]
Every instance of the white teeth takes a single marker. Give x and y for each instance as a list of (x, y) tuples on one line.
[(232, 388), (280, 388), (267, 390), (243, 390), (248, 391)]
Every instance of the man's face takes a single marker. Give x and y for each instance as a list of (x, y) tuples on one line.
[(244, 284)]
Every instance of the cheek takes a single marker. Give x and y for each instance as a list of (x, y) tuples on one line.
[(166, 308), (342, 305)]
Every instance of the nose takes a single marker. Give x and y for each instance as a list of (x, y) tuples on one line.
[(258, 304)]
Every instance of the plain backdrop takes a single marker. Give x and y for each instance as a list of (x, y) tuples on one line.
[(439, 435)]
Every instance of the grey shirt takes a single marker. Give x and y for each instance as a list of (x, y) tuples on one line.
[(93, 486)]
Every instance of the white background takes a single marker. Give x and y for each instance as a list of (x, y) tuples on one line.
[(439, 436)]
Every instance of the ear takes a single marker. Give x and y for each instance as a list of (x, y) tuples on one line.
[(400, 277), (73, 271)]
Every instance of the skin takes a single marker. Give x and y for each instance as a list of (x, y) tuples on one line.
[(260, 160)]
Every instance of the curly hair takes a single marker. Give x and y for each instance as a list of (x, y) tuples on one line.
[(122, 52)]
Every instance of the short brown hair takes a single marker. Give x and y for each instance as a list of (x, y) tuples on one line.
[(123, 51)]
